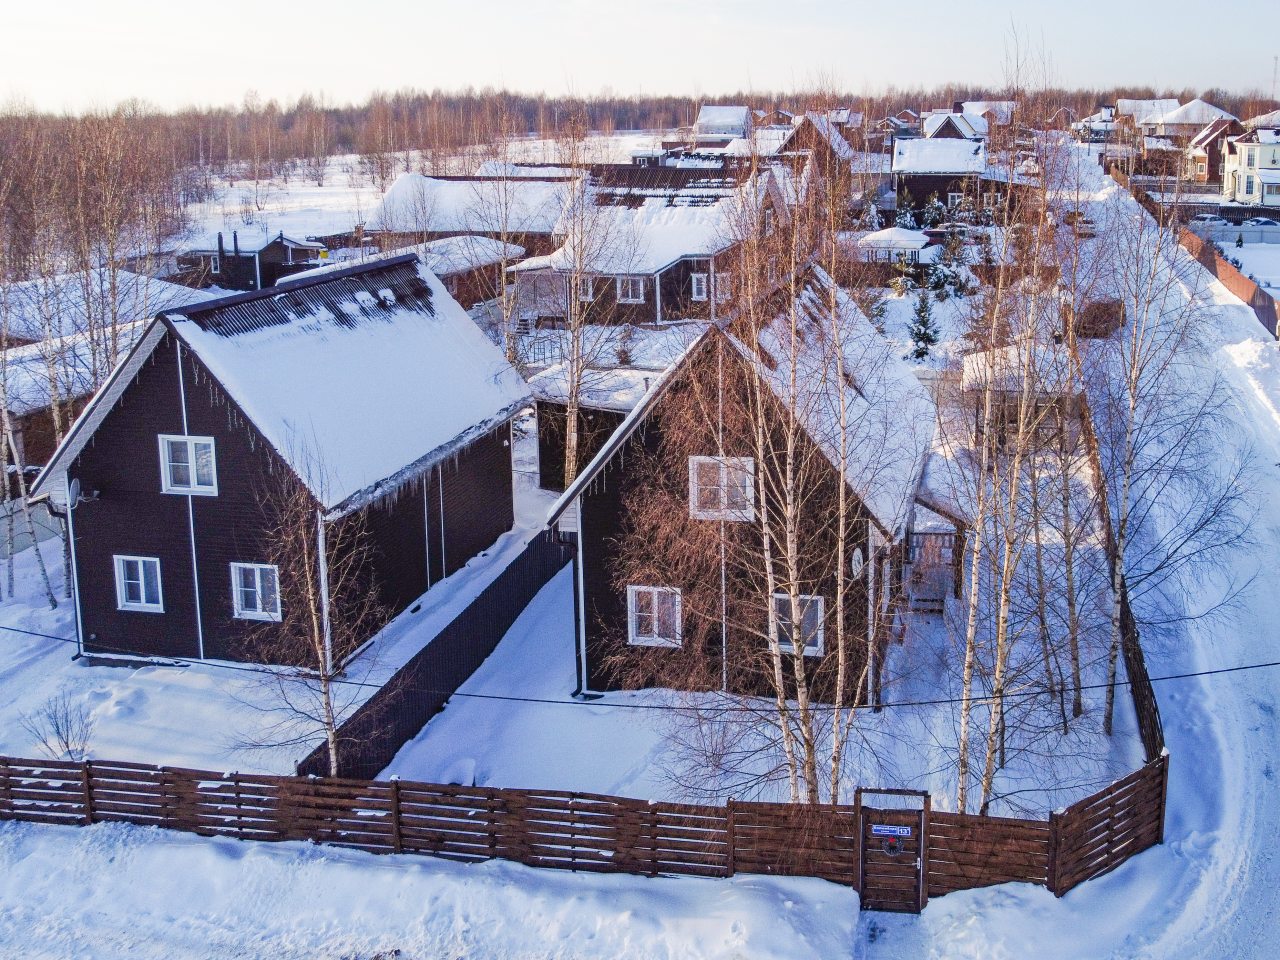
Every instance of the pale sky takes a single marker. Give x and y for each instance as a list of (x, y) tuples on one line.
[(73, 54)]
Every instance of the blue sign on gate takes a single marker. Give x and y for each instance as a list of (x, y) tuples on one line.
[(887, 830)]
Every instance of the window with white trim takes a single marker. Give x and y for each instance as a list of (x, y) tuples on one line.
[(138, 584), (722, 488), (812, 632), (631, 289), (255, 591), (187, 465), (697, 286), (586, 289), (653, 616), (722, 285), (1248, 184), (954, 200), (215, 264)]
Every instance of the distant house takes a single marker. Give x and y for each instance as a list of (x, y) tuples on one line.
[(1182, 123), (1251, 168), (777, 117), (1130, 114), (1206, 153), (521, 209), (717, 125), (895, 245), (825, 140), (251, 262), (954, 125), (369, 385), (996, 113), (950, 169), (1098, 127), (647, 245), (634, 624), (66, 334)]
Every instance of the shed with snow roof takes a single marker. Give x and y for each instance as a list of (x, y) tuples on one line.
[(369, 386)]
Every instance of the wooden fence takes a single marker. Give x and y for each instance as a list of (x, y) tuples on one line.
[(371, 736), (582, 831)]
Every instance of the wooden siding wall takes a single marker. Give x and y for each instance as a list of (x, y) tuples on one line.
[(374, 733), (582, 831), (595, 427)]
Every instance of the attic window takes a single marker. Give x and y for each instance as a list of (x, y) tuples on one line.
[(215, 264), (722, 488), (698, 286), (188, 465)]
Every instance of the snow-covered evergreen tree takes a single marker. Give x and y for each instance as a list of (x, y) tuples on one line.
[(871, 217), (934, 213), (924, 332)]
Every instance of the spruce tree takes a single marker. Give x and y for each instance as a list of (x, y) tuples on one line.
[(924, 333)]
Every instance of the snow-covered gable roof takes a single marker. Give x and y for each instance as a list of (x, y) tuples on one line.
[(643, 230), (828, 131), (1000, 110), (1140, 110), (1271, 119), (360, 380), (67, 304), (481, 205), (444, 257), (970, 125), (1045, 364), (1215, 129), (889, 418), (845, 117), (939, 156), (1195, 113), (247, 241), (719, 121), (69, 366)]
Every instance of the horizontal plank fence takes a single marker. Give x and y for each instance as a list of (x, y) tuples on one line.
[(583, 831), (369, 739)]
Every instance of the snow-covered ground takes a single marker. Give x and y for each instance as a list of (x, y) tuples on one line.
[(113, 892), (1261, 261)]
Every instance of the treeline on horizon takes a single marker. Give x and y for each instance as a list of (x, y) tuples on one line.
[(266, 132)]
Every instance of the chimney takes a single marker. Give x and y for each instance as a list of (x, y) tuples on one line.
[(957, 107), (222, 250), (235, 242)]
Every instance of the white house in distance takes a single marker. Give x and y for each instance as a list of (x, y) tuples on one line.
[(1184, 122), (1251, 168), (717, 125)]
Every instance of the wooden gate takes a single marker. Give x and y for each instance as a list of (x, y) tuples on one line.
[(891, 874)]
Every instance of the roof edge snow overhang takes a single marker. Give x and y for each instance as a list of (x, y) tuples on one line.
[(625, 429)]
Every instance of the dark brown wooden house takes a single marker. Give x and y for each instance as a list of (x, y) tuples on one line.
[(646, 613), (252, 262), (369, 385)]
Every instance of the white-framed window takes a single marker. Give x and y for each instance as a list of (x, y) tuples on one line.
[(768, 220), (138, 584), (586, 289), (653, 616), (1248, 184), (812, 632), (697, 286), (1201, 168), (215, 264), (631, 289), (187, 465), (954, 200), (255, 591), (722, 285), (1251, 157), (722, 488)]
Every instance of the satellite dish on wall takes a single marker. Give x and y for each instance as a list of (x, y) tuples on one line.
[(857, 562), (73, 492)]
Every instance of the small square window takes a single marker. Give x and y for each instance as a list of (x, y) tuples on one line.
[(812, 610), (138, 584), (698, 286), (653, 616), (187, 465), (255, 591), (722, 488), (631, 289)]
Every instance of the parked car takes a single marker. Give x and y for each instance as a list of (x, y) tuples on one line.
[(1261, 222), (1209, 220)]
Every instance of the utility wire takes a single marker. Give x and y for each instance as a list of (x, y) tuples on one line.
[(1037, 691)]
